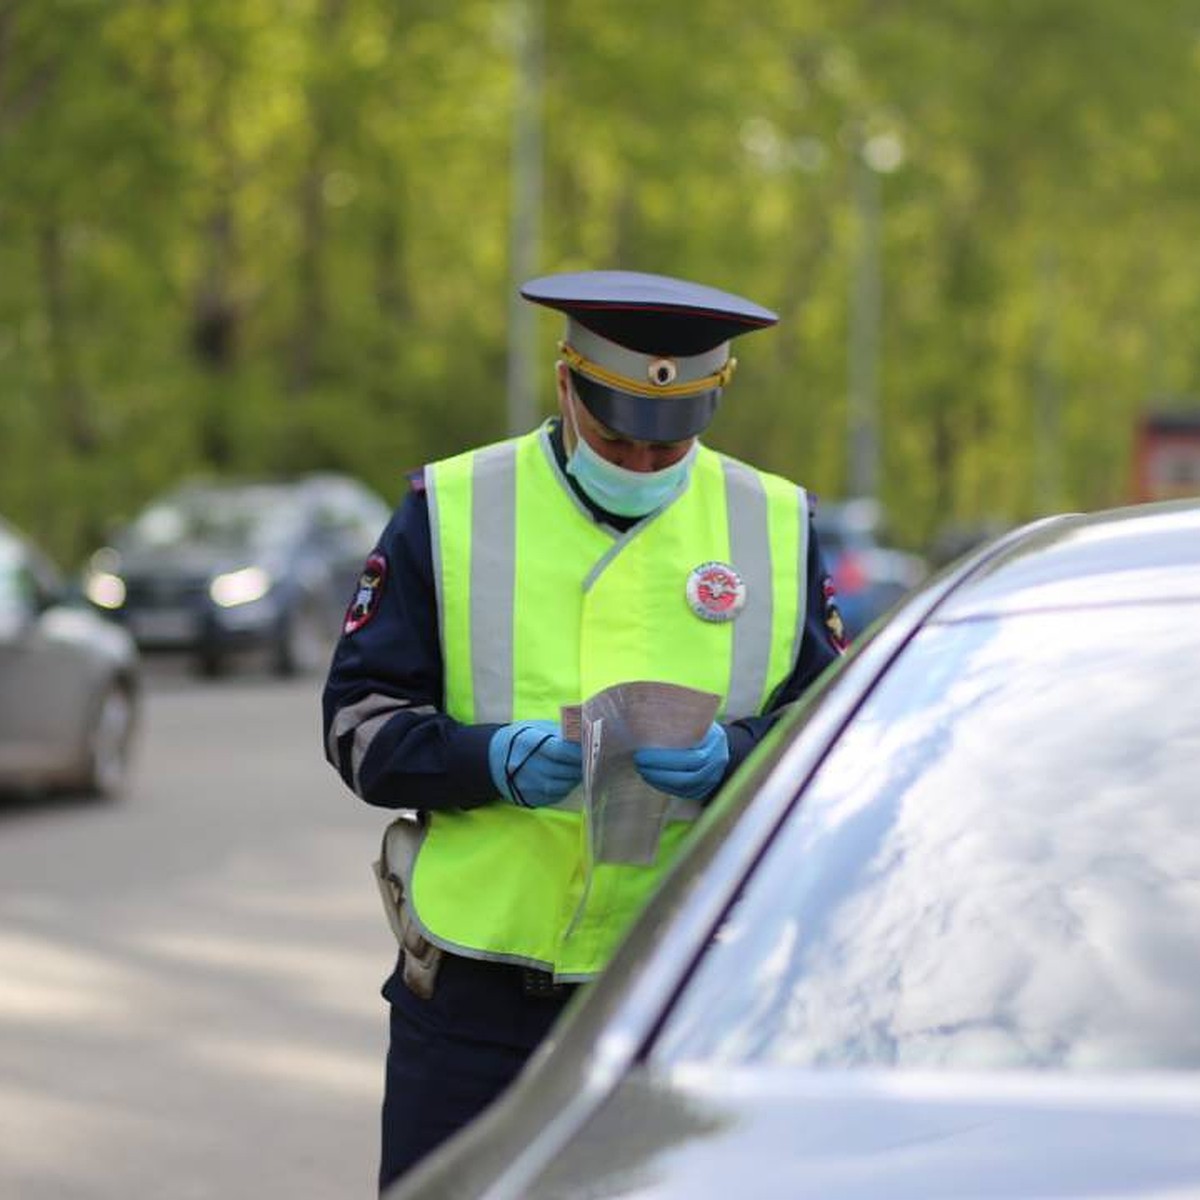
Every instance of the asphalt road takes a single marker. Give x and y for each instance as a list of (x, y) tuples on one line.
[(189, 978)]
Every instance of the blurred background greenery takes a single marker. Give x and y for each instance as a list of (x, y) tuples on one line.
[(271, 236)]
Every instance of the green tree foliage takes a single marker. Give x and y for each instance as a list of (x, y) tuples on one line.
[(261, 238)]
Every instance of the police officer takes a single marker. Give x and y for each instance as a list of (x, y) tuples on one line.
[(607, 545)]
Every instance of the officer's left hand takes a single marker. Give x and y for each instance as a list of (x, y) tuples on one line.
[(693, 772)]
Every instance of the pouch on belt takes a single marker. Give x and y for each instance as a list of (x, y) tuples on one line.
[(421, 958)]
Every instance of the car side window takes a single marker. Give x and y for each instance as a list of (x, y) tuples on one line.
[(331, 519), (995, 866), (21, 595), (14, 590)]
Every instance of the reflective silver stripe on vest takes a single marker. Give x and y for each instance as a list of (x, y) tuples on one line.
[(365, 718), (493, 568), (750, 548)]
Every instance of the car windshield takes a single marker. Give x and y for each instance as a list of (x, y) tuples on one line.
[(998, 866), (244, 518)]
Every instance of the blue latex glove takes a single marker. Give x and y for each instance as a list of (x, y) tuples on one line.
[(692, 773), (532, 764)]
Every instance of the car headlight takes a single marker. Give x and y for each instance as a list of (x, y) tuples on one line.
[(105, 590), (240, 587)]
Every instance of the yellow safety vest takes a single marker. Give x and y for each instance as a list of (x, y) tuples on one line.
[(540, 606)]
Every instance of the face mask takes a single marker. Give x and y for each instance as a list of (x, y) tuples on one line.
[(620, 491)]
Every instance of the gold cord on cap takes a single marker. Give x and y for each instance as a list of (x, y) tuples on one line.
[(639, 387)]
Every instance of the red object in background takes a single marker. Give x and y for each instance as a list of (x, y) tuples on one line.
[(850, 574), (1167, 457)]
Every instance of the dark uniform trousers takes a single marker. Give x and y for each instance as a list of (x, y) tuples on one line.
[(451, 1055)]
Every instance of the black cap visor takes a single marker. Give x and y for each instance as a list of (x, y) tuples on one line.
[(647, 418)]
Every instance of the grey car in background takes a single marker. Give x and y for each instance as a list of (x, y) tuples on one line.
[(218, 569), (69, 682), (939, 937)]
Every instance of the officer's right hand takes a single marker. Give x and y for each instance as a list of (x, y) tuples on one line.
[(532, 764)]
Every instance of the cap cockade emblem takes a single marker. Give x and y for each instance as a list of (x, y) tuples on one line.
[(662, 372)]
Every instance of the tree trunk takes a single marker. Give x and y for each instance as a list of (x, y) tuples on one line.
[(73, 419)]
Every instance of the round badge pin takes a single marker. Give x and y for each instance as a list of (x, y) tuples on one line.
[(715, 592)]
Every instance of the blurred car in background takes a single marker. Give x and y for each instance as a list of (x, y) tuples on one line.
[(938, 936), (215, 569), (69, 681), (869, 575)]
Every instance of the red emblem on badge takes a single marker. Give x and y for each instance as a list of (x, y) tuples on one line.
[(366, 594), (715, 592)]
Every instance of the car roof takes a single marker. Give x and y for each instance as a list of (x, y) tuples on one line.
[(309, 489), (1141, 554), (10, 540)]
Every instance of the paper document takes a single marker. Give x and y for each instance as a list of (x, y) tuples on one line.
[(625, 815)]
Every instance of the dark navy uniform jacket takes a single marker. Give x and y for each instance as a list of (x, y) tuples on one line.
[(423, 759)]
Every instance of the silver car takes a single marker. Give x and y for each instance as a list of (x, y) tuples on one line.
[(69, 682), (939, 938)]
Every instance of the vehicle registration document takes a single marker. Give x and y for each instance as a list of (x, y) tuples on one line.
[(625, 815)]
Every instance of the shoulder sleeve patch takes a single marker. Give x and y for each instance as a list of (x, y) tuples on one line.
[(367, 594)]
